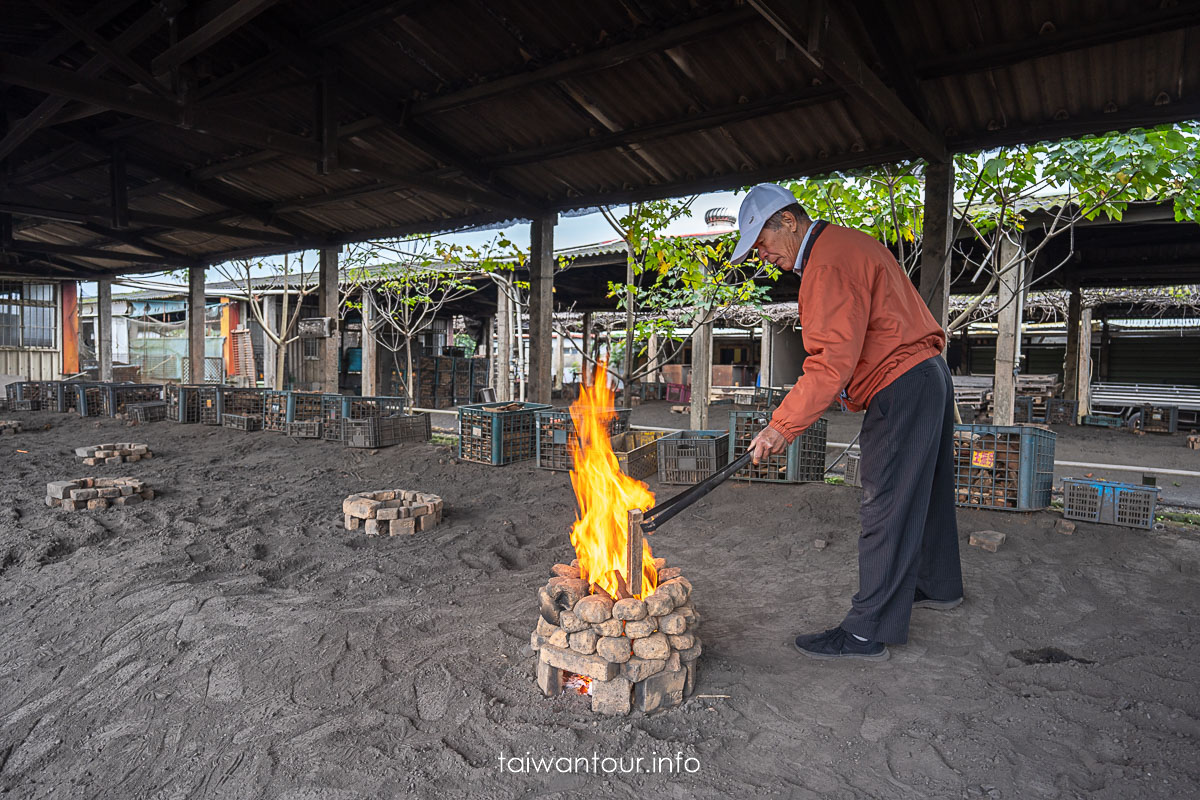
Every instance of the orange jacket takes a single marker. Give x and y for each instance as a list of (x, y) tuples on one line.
[(863, 322)]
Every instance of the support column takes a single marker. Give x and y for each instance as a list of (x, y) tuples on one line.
[(104, 337), (504, 341), (195, 322), (1105, 347), (327, 300), (652, 358), (766, 354), (1071, 358), (585, 371), (1008, 334), (270, 349), (541, 306), (370, 353), (1083, 391), (560, 365), (936, 239), (702, 362)]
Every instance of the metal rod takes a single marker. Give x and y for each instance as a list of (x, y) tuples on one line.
[(666, 510)]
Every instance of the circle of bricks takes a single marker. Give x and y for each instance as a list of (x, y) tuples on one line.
[(391, 511), (96, 494)]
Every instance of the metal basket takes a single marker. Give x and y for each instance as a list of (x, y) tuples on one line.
[(687, 457), (498, 433), (802, 462)]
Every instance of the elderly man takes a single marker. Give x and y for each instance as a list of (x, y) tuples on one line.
[(872, 344)]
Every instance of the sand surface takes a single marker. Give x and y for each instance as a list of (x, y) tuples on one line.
[(230, 640)]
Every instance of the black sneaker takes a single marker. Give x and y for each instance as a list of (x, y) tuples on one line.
[(838, 643), (922, 600)]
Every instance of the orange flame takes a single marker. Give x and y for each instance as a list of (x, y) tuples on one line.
[(605, 495)]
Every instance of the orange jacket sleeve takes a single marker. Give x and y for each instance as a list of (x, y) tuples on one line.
[(836, 308)]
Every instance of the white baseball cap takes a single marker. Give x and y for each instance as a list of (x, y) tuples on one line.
[(761, 202)]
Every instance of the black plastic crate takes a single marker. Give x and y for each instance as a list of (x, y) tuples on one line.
[(554, 432), (242, 401), (1159, 419), (150, 411), (305, 406), (305, 429), (91, 399), (242, 422), (118, 396), (364, 407), (853, 474), (333, 410), (802, 462), (1006, 467), (275, 410), (386, 431), (687, 457), (498, 433), (1061, 412)]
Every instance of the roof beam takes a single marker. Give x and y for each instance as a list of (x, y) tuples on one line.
[(838, 58), (66, 83), (1109, 30), (356, 19), (675, 36), (225, 23), (26, 246), (48, 108)]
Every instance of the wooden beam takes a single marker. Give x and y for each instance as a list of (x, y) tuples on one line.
[(363, 16), (1011, 262), (328, 301), (118, 188), (225, 23), (839, 59), (938, 230), (104, 329), (195, 324), (326, 116), (26, 246), (572, 66), (133, 240), (1143, 22), (45, 111), (541, 307)]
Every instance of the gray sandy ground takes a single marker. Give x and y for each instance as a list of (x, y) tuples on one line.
[(230, 640)]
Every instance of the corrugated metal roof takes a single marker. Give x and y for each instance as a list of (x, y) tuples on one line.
[(457, 113)]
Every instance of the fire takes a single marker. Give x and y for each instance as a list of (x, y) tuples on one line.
[(605, 495)]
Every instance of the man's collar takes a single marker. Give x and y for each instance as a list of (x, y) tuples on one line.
[(814, 230)]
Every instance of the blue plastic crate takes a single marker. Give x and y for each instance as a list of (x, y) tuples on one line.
[(1005, 467), (498, 433), (242, 401), (1109, 502), (1103, 421)]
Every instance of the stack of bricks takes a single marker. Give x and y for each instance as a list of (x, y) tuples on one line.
[(9, 426), (1193, 441), (391, 512), (634, 653), (96, 494), (113, 453)]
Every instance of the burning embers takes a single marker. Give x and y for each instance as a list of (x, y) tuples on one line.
[(614, 623)]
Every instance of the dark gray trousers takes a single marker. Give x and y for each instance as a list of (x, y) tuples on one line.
[(909, 531)]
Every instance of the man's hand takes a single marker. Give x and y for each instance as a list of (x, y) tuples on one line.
[(768, 443)]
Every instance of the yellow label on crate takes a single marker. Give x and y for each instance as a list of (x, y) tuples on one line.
[(983, 458)]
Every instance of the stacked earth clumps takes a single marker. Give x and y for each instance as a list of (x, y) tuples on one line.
[(638, 654)]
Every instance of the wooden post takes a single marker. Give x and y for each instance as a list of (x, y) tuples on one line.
[(370, 352), (104, 336), (766, 354), (585, 370), (1105, 346), (702, 361), (652, 358), (633, 552), (195, 325), (270, 351), (1011, 262), (937, 230), (503, 344), (327, 298), (1083, 369), (560, 366), (1071, 358), (541, 306)]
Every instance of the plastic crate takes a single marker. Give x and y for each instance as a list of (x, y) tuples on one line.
[(1103, 421), (498, 433), (118, 396), (333, 409), (1024, 411), (1159, 419), (305, 406), (66, 398), (191, 404), (802, 462), (275, 410), (242, 422), (150, 411), (91, 399), (1061, 412), (853, 477), (554, 432), (1006, 467), (385, 431), (364, 407), (1110, 502), (305, 429), (242, 401), (967, 412), (687, 457), (637, 452)]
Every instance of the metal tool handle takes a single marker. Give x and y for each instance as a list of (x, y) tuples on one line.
[(668, 509)]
